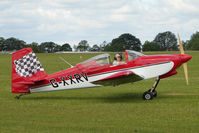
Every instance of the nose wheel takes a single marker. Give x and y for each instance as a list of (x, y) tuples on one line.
[(151, 93)]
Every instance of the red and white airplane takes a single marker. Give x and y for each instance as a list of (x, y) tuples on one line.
[(28, 76)]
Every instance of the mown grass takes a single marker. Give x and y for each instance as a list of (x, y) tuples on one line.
[(106, 109)]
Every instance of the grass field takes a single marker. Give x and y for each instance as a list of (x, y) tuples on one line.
[(102, 110)]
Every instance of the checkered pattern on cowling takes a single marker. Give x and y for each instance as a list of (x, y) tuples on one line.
[(28, 65)]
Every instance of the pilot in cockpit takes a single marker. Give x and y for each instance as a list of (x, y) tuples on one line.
[(118, 60)]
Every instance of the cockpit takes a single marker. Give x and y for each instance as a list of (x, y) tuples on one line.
[(96, 63), (103, 61)]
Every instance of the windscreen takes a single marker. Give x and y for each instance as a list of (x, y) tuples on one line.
[(133, 54)]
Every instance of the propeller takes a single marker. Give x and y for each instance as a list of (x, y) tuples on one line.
[(185, 64)]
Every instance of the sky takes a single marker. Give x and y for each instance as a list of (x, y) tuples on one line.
[(70, 21)]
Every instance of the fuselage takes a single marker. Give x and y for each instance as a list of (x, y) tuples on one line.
[(90, 75)]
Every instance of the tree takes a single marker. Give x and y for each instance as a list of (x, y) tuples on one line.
[(102, 45), (95, 48), (14, 44), (185, 45), (75, 48), (66, 47), (194, 42), (2, 41), (150, 46), (83, 46), (167, 41), (34, 46), (57, 48), (107, 47), (123, 42), (47, 47)]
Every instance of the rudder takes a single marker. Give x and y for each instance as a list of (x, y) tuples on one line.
[(26, 70)]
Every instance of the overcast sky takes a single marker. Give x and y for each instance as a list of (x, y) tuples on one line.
[(71, 21)]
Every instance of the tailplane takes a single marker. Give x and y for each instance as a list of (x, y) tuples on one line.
[(26, 70)]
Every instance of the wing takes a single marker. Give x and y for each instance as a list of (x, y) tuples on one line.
[(119, 78)]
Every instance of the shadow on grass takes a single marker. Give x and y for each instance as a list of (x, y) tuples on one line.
[(114, 98), (111, 98)]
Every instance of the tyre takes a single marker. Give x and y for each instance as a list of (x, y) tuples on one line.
[(147, 96)]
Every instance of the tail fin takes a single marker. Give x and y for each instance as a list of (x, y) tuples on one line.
[(26, 70)]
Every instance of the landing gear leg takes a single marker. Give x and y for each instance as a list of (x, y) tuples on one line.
[(148, 95), (17, 97), (152, 90)]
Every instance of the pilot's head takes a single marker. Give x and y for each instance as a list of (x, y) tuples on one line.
[(118, 57)]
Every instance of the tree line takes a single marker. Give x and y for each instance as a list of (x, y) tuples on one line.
[(165, 41)]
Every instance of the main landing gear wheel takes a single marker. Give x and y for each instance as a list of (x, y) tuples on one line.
[(148, 95)]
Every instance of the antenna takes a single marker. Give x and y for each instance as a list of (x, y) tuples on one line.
[(66, 61)]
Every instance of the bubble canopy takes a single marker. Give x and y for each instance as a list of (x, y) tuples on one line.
[(103, 59), (96, 63)]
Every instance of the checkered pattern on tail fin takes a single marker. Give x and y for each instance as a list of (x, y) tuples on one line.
[(28, 65)]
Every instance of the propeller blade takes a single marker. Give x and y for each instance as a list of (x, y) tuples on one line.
[(186, 73), (181, 47), (185, 64)]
